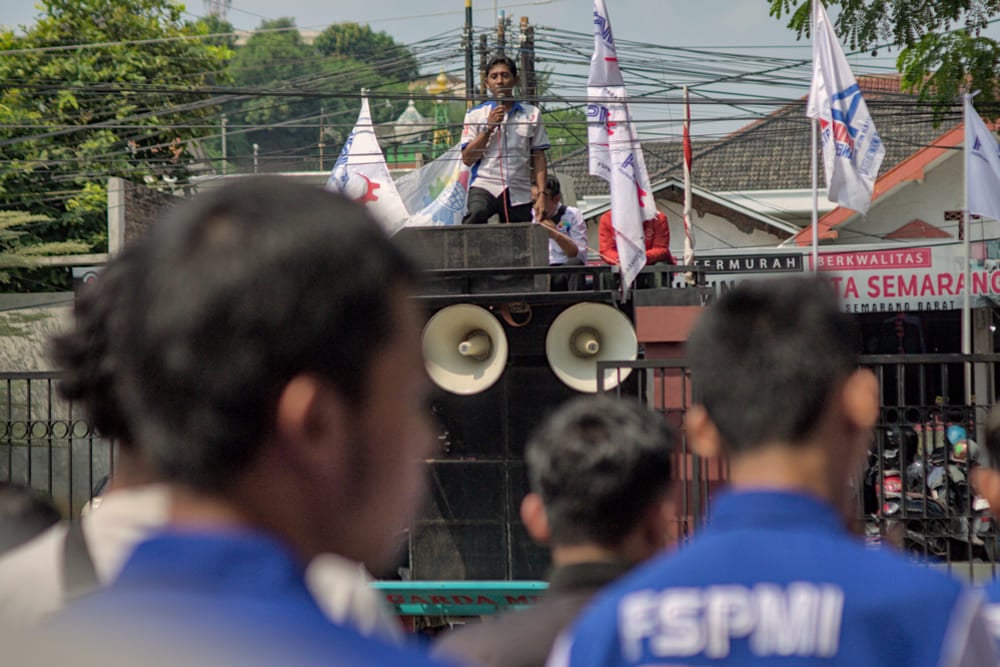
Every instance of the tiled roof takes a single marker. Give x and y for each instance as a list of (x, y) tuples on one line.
[(773, 152), (911, 168)]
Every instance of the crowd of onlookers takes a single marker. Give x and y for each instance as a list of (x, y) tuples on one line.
[(257, 359)]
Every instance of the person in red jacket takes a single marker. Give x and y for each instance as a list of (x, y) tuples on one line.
[(657, 233)]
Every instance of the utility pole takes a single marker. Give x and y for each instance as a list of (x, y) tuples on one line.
[(225, 154), (469, 85), (501, 33), (483, 57), (529, 84), (321, 144)]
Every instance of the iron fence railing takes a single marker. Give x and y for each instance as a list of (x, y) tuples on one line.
[(914, 491), (46, 442)]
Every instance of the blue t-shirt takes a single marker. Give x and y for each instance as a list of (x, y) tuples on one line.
[(230, 598), (774, 579), (993, 609)]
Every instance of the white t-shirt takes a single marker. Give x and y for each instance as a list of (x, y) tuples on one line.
[(574, 226), (31, 576)]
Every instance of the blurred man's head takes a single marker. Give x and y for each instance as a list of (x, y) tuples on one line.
[(774, 370), (88, 353), (599, 471), (89, 356), (986, 478), (274, 363)]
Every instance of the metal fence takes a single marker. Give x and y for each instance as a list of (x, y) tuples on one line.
[(915, 491), (47, 444)]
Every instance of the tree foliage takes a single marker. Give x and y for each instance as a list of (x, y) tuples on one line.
[(567, 130), (122, 105), (943, 51), (301, 95), (359, 42), (17, 250), (223, 30)]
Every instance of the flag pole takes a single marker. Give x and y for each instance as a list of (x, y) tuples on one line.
[(966, 306), (688, 231), (815, 205), (815, 158)]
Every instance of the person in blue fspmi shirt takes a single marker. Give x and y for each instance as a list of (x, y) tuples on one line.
[(270, 365), (775, 578)]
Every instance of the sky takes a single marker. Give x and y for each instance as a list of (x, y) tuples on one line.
[(741, 26), (681, 22)]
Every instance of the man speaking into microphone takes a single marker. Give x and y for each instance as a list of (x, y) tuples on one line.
[(504, 142)]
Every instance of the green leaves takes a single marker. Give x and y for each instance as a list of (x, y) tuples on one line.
[(359, 42), (99, 88), (329, 74), (18, 247), (943, 51), (940, 67)]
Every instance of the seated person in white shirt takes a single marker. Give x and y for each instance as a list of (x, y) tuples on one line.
[(567, 235)]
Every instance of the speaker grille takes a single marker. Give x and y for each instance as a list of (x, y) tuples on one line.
[(470, 527)]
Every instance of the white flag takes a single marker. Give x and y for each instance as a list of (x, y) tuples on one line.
[(448, 207), (615, 153), (436, 193), (982, 165), (361, 174), (852, 149)]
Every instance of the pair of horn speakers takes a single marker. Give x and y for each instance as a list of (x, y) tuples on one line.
[(465, 347)]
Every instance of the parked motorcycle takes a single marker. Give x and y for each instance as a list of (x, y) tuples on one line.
[(926, 506)]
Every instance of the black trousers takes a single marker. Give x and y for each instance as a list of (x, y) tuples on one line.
[(566, 282), (482, 206)]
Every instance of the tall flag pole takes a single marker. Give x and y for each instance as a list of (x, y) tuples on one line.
[(852, 149), (615, 153), (813, 152), (688, 228), (970, 140), (360, 173)]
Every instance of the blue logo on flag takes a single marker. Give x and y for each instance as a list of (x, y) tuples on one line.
[(844, 107)]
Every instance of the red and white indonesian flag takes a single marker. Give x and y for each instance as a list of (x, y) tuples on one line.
[(615, 153), (852, 149), (688, 227), (361, 174), (982, 165)]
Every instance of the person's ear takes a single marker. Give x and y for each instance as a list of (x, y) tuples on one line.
[(704, 436), (535, 520), (310, 416), (860, 399), (986, 483)]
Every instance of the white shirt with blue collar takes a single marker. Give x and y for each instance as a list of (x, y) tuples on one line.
[(506, 164)]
